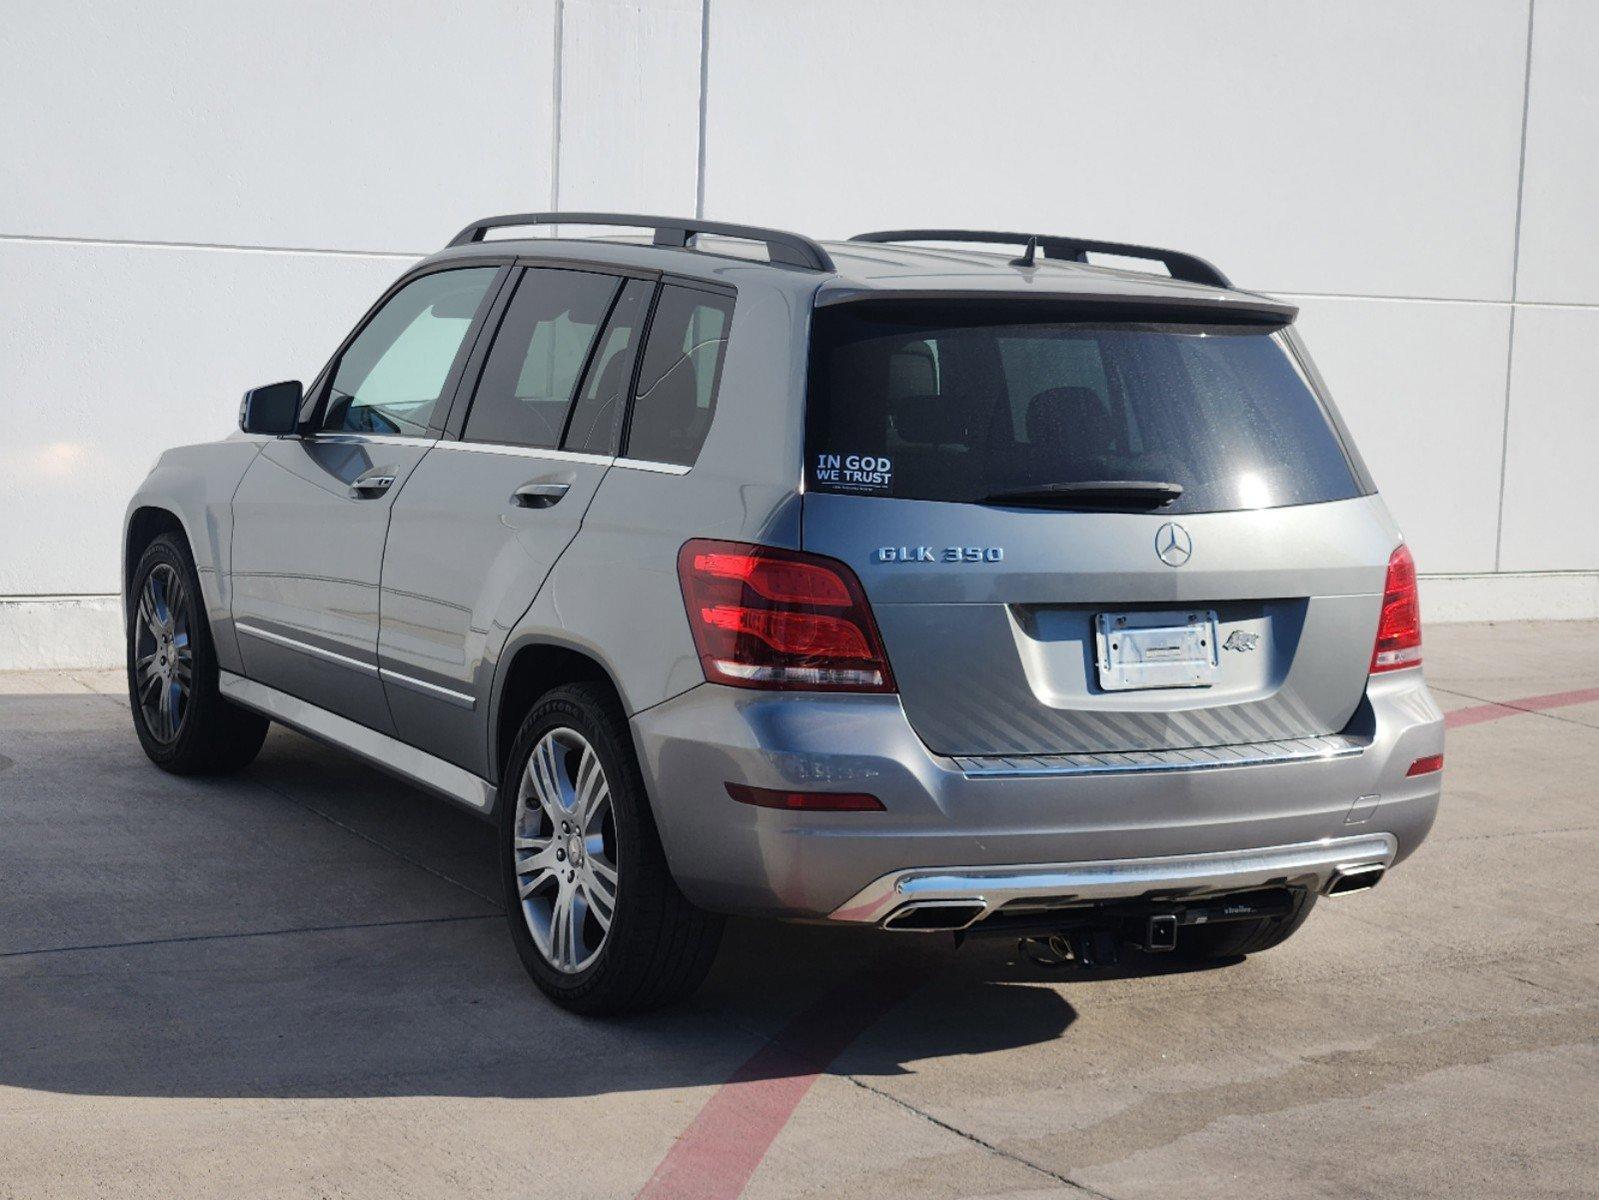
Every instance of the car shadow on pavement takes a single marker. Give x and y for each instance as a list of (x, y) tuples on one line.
[(312, 928)]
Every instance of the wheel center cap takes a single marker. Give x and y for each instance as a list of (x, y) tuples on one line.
[(574, 850)]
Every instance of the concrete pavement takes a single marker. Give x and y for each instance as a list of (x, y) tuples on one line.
[(296, 983)]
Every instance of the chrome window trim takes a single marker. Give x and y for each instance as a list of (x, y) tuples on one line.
[(333, 656), (527, 452), (454, 697), (392, 755), (346, 438), (1210, 758), (660, 468)]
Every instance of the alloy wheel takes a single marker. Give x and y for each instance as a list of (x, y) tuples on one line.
[(163, 653), (564, 850)]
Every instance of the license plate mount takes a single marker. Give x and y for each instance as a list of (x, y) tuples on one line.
[(1144, 650)]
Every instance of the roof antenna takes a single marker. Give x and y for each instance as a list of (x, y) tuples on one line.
[(1026, 260)]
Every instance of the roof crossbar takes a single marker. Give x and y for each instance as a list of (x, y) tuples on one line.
[(788, 249), (1188, 267)]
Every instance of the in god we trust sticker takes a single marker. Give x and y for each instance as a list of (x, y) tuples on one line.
[(855, 472)]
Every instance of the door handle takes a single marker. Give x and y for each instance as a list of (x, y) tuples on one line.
[(539, 495), (373, 483)]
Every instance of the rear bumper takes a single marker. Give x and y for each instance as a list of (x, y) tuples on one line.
[(952, 820)]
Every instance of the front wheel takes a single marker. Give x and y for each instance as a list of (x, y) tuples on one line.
[(594, 913), (183, 722)]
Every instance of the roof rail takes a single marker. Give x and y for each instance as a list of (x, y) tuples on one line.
[(788, 249), (1187, 267)]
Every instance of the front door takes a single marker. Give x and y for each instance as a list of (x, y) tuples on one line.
[(312, 512), (484, 518)]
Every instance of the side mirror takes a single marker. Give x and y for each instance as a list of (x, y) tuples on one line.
[(273, 409)]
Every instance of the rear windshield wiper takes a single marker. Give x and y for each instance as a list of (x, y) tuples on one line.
[(1092, 493)]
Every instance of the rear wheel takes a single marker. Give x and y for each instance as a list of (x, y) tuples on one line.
[(182, 720), (594, 913), (1231, 939)]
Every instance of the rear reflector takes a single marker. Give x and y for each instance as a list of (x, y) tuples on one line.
[(1426, 766), (769, 618), (1399, 627), (806, 801)]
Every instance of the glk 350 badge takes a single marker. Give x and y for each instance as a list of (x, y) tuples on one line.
[(946, 554)]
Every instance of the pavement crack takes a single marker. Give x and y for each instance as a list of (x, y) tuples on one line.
[(998, 1151), (1512, 833), (1358, 1072), (248, 933)]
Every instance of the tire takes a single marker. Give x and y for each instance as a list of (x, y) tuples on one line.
[(1233, 939), (657, 946), (183, 722)]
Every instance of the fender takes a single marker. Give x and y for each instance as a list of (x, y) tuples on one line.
[(196, 485)]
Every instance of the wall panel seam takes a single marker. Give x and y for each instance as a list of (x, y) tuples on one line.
[(555, 112), (229, 247), (705, 68), (1515, 288)]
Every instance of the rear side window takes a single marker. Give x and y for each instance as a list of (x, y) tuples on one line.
[(678, 378), (538, 355), (596, 423), (954, 403)]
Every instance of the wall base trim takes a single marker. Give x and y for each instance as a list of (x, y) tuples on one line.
[(41, 633), (1511, 596)]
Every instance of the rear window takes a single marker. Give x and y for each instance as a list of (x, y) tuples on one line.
[(943, 403)]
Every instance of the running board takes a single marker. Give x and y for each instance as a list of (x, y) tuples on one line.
[(390, 754)]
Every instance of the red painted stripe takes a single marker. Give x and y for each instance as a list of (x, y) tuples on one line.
[(1477, 714), (718, 1153)]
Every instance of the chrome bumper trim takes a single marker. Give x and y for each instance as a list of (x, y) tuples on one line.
[(1310, 864), (1248, 754)]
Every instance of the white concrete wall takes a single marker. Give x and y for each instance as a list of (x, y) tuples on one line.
[(199, 197)]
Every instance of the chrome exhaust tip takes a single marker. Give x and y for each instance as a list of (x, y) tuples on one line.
[(935, 916), (1360, 878)]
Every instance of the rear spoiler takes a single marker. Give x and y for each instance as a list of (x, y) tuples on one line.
[(1221, 308)]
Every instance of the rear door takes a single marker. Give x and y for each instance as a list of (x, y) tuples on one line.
[(1085, 535), (483, 519), (312, 512)]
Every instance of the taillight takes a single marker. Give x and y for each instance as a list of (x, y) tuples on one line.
[(769, 618), (1399, 628)]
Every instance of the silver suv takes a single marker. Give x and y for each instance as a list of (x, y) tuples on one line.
[(958, 590)]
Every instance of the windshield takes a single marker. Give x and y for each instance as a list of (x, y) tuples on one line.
[(924, 402)]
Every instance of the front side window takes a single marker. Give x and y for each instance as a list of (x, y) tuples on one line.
[(390, 378), (942, 402), (538, 356), (678, 378)]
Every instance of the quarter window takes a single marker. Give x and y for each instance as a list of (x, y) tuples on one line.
[(596, 421), (678, 378), (538, 355), (390, 378)]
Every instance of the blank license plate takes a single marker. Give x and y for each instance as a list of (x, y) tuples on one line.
[(1156, 650)]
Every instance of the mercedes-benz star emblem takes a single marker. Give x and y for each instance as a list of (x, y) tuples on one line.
[(1173, 546)]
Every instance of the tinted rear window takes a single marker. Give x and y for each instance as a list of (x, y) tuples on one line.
[(926, 403)]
